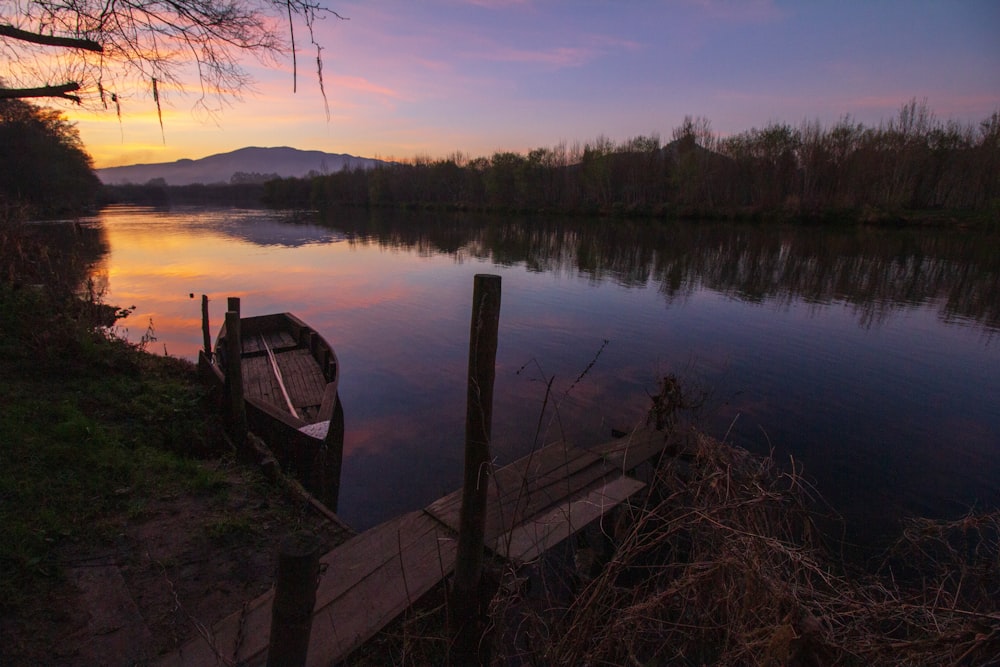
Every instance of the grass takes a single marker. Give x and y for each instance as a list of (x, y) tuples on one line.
[(91, 426), (113, 461)]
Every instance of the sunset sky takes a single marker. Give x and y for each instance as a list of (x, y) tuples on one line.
[(429, 78)]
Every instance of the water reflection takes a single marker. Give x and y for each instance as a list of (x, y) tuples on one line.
[(891, 417), (74, 253), (877, 271)]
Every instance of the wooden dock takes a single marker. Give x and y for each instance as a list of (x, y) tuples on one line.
[(534, 503)]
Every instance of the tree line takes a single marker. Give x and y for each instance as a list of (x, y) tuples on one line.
[(44, 168), (913, 162)]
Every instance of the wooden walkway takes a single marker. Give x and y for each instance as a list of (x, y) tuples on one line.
[(534, 503)]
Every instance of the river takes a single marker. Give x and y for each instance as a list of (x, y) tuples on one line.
[(869, 357)]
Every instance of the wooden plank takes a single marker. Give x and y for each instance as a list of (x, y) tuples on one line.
[(528, 486), (534, 503), (358, 612), (554, 460), (529, 540), (259, 382), (279, 339), (368, 581), (303, 377), (251, 343), (304, 381), (519, 507), (636, 448), (279, 379)]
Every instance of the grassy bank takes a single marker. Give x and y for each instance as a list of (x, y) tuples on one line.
[(91, 426), (116, 484), (111, 458)]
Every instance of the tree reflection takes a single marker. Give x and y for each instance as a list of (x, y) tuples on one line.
[(878, 271)]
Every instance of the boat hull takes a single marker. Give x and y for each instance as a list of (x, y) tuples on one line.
[(290, 382)]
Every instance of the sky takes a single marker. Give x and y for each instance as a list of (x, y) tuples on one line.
[(412, 79)]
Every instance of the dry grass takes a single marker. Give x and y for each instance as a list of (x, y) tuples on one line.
[(722, 564)]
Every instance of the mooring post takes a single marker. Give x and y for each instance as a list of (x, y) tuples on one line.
[(294, 599), (205, 331), (235, 407), (464, 598)]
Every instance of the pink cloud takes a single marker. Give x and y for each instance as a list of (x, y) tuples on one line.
[(363, 85)]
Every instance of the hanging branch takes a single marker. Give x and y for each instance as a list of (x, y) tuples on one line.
[(159, 111), (310, 18), (291, 32), (319, 75)]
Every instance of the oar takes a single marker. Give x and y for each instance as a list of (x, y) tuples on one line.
[(277, 375)]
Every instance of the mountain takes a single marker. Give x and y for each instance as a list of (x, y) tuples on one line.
[(220, 168)]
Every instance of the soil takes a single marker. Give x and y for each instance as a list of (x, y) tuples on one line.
[(168, 571)]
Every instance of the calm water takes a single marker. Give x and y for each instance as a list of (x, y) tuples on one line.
[(872, 357)]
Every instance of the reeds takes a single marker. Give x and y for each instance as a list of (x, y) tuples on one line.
[(727, 567), (722, 563)]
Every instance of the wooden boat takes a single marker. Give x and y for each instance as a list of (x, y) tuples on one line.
[(290, 380)]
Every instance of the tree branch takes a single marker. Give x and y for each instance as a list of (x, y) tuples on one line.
[(50, 40), (62, 90)]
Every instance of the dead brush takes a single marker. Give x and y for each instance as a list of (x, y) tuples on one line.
[(723, 565)]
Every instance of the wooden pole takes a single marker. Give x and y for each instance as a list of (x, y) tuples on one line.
[(333, 459), (236, 408), (465, 602), (233, 303), (294, 599), (206, 333)]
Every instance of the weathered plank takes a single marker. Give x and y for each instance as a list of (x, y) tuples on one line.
[(303, 377), (528, 487), (259, 382), (416, 553), (635, 448), (534, 503), (280, 339), (368, 581), (530, 539)]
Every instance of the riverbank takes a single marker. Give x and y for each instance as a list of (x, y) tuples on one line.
[(130, 527), (300, 194), (128, 524), (100, 467)]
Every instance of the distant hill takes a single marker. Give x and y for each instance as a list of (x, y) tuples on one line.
[(283, 161)]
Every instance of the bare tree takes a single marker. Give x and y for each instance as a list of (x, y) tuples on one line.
[(99, 49)]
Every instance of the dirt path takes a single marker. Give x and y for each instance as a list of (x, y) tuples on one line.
[(173, 567)]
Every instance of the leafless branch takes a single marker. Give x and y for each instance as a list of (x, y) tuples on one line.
[(50, 40)]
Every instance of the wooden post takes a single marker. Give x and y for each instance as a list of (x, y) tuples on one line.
[(294, 599), (233, 303), (333, 458), (235, 407), (205, 331), (464, 598)]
